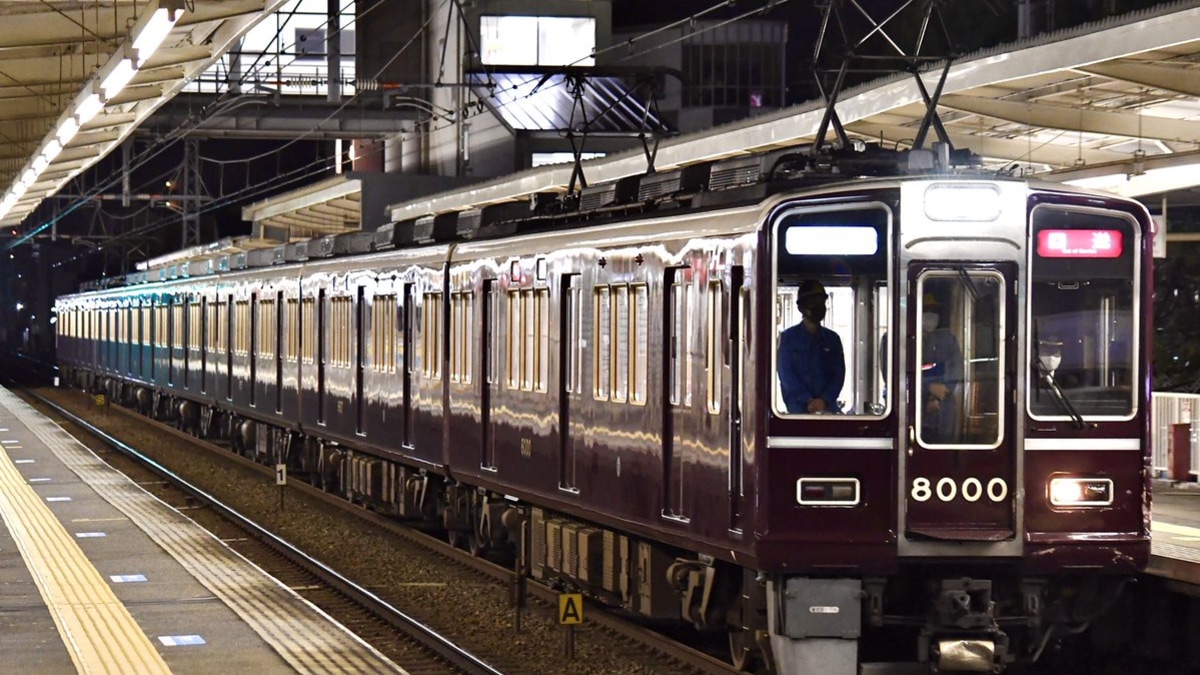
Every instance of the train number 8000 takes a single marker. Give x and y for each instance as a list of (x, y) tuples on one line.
[(947, 489)]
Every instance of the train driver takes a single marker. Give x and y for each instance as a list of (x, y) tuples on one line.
[(812, 367), (941, 373)]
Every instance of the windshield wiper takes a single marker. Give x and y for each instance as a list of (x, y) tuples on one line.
[(1059, 397)]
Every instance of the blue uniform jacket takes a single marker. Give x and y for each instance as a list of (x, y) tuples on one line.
[(810, 366)]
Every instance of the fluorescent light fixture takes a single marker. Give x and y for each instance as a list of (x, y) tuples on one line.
[(162, 20), (28, 177), (39, 164), (68, 130), (52, 149), (88, 108), (19, 189), (116, 80)]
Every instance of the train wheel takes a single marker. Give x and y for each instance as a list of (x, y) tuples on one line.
[(743, 651), (476, 544)]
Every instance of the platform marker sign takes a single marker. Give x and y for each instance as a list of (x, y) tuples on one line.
[(570, 609)]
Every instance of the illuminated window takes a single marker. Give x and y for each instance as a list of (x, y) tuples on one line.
[(713, 346), (640, 312), (431, 335), (308, 321), (266, 329), (620, 344), (538, 40), (602, 341)]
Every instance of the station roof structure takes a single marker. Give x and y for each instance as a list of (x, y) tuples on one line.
[(1112, 105), (76, 78)]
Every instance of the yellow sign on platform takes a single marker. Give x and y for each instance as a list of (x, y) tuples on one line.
[(570, 608), (100, 400)]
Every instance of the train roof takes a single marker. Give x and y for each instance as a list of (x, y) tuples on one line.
[(700, 187)]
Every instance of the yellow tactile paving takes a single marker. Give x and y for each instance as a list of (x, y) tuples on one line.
[(98, 631)]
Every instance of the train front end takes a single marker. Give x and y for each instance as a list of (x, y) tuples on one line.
[(978, 485)]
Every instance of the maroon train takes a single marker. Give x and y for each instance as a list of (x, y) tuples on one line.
[(605, 379)]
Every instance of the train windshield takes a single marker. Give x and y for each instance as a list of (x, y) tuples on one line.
[(831, 309), (1082, 314)]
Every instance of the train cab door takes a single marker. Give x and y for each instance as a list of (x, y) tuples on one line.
[(677, 373), (960, 468)]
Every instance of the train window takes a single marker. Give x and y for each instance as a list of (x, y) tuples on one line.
[(308, 322), (179, 325), (462, 336), (431, 335), (292, 329), (541, 299), (528, 339), (620, 344), (601, 341), (639, 299), (572, 296), (266, 328), (514, 340), (1083, 314), (835, 259), (160, 325), (383, 332), (216, 337), (960, 376), (241, 336), (713, 361), (680, 340), (194, 324)]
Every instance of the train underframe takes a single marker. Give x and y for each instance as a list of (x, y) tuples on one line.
[(929, 617)]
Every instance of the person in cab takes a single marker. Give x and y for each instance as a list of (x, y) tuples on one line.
[(941, 374), (812, 367)]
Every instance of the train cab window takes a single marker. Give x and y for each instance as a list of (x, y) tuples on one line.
[(1083, 313), (958, 397), (832, 265)]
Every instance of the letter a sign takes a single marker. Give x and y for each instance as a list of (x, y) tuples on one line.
[(570, 608)]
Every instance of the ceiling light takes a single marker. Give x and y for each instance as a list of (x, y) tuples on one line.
[(67, 130), (88, 108), (116, 80), (154, 32), (52, 149)]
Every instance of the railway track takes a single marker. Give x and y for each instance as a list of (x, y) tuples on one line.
[(654, 652)]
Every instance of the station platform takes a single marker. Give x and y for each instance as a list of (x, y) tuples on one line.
[(1175, 532), (98, 576)]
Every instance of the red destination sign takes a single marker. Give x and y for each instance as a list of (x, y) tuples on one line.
[(1079, 244)]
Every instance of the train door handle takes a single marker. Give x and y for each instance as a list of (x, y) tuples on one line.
[(912, 439)]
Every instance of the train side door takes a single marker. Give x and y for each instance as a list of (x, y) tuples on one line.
[(960, 462), (735, 320), (570, 379), (490, 355), (407, 345), (677, 370)]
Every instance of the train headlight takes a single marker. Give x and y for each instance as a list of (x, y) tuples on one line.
[(1081, 491)]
